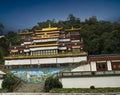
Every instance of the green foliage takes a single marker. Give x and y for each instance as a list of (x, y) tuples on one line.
[(13, 37), (1, 27), (3, 90), (71, 21), (100, 37), (52, 82), (10, 38), (9, 82), (84, 90), (4, 48)]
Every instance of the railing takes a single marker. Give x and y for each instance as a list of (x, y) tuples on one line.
[(89, 73), (46, 56)]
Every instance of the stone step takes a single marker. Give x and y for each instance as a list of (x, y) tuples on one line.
[(29, 87)]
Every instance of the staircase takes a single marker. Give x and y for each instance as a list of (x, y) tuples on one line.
[(29, 87)]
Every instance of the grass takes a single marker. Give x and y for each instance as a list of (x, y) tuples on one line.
[(84, 90), (2, 90)]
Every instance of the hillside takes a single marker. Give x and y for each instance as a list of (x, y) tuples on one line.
[(100, 37)]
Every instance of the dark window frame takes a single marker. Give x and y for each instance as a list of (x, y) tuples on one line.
[(101, 66)]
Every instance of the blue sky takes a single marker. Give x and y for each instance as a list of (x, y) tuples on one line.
[(23, 14)]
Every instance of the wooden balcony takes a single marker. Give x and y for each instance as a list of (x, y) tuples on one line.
[(48, 56), (46, 45)]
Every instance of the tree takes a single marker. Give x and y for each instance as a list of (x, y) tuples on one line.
[(13, 37), (4, 48), (71, 17), (73, 21), (9, 82), (45, 24), (91, 20), (101, 36), (1, 27)]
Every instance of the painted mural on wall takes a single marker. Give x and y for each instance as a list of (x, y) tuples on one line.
[(36, 75)]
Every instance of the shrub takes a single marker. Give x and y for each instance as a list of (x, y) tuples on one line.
[(92, 87), (8, 82), (52, 82)]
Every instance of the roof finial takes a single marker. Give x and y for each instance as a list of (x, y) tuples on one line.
[(49, 25)]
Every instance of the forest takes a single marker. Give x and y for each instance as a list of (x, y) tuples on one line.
[(99, 36)]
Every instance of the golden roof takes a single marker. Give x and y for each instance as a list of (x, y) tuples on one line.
[(48, 29), (47, 32)]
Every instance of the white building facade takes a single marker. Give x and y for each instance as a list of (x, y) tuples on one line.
[(100, 71)]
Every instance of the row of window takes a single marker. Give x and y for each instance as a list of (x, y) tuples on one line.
[(116, 65), (44, 52), (47, 52), (103, 66)]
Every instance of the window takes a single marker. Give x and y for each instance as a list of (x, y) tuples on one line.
[(115, 65), (101, 66), (75, 50)]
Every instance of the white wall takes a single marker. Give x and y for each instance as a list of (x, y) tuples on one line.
[(65, 60), (85, 67), (46, 60), (43, 61), (93, 66), (86, 82), (80, 58), (1, 83), (109, 66), (17, 61)]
